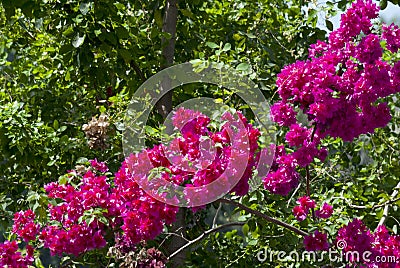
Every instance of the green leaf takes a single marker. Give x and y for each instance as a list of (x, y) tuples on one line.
[(63, 179), (158, 18), (196, 62), (78, 40), (243, 217), (32, 196), (149, 130), (212, 45), (245, 229), (38, 263), (243, 67), (82, 160), (50, 49), (227, 47), (253, 242), (329, 25), (255, 234), (250, 35), (122, 33), (68, 31), (312, 13), (102, 109), (120, 6), (383, 4), (62, 129), (230, 234), (84, 8), (125, 54), (67, 76)]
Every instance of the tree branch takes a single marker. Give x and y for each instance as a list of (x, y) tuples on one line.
[(203, 235), (138, 71), (266, 217), (386, 209)]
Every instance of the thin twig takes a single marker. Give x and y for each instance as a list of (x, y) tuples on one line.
[(386, 203), (294, 193), (171, 234), (308, 181), (349, 202), (178, 235), (279, 43), (386, 209), (216, 215), (398, 223), (266, 217), (203, 235), (308, 177)]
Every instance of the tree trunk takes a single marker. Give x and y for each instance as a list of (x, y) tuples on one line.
[(164, 107)]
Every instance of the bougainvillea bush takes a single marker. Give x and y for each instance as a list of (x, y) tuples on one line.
[(337, 94), (87, 203)]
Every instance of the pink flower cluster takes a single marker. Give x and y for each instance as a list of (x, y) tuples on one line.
[(99, 166), (11, 257), (125, 207), (153, 259), (72, 234), (305, 204), (140, 216), (24, 225), (356, 237), (74, 239), (392, 36), (366, 248), (282, 177), (222, 159), (75, 224), (316, 241), (337, 89), (386, 245), (325, 212)]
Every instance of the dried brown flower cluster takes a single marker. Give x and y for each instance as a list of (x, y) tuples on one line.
[(96, 132), (144, 258)]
